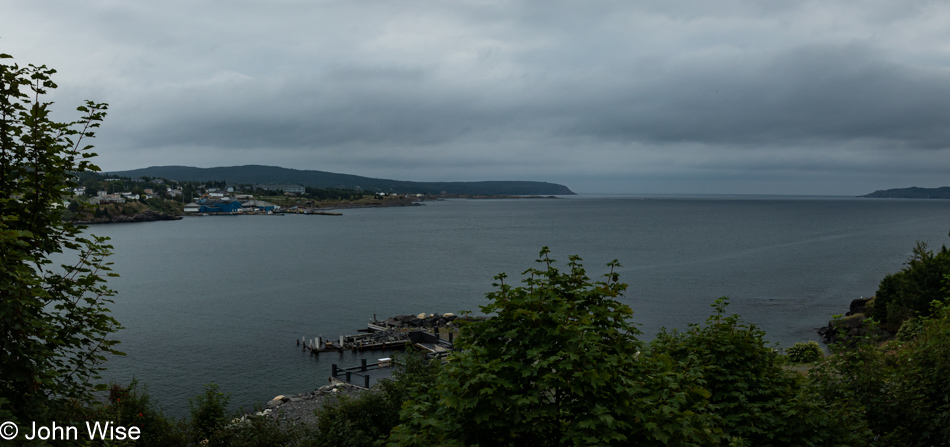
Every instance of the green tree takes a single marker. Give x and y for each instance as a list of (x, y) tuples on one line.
[(922, 390), (901, 386), (556, 364), (909, 292), (209, 412), (54, 324), (754, 400)]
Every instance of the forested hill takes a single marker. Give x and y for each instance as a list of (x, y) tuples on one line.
[(256, 174), (911, 193)]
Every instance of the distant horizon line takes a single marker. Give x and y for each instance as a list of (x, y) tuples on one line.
[(578, 193)]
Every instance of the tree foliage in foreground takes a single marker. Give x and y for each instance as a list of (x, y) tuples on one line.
[(901, 386), (557, 364), (756, 402), (909, 292), (54, 324)]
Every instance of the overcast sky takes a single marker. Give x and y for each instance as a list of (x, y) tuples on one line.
[(690, 96)]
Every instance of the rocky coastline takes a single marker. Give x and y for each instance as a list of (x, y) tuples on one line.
[(851, 327), (145, 216), (301, 408)]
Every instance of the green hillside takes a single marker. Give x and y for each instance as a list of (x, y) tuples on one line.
[(911, 193), (256, 174)]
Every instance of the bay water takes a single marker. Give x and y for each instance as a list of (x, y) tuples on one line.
[(222, 299)]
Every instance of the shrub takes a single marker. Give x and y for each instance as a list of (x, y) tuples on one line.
[(208, 412), (368, 418), (910, 329), (910, 291), (753, 400), (556, 365), (805, 352), (132, 406), (919, 398), (904, 392), (356, 421)]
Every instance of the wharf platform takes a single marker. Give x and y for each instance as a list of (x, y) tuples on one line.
[(380, 338)]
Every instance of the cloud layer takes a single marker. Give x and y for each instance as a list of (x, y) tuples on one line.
[(829, 97)]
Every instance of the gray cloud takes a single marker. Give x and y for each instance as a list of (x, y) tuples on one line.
[(807, 95), (584, 92)]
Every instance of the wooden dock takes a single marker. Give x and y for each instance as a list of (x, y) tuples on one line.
[(360, 375), (380, 338), (363, 342)]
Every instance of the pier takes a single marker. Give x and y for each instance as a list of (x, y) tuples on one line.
[(365, 374), (433, 341), (429, 332), (379, 338), (362, 342), (382, 339)]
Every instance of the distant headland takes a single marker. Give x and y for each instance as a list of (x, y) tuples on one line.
[(257, 174), (911, 193)]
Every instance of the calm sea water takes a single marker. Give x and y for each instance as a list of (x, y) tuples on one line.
[(223, 299)]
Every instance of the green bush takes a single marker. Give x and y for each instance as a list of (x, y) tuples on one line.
[(132, 406), (805, 352), (356, 421), (557, 365), (903, 392), (910, 329), (920, 394), (909, 292), (208, 412), (753, 400)]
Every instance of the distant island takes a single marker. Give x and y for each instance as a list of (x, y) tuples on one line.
[(257, 174), (911, 193)]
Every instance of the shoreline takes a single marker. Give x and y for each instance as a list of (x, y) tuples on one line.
[(147, 216)]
